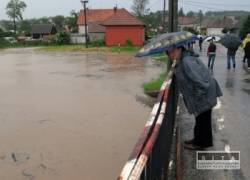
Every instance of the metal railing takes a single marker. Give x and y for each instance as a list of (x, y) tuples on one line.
[(150, 158)]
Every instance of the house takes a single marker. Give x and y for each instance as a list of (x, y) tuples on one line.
[(123, 27), (41, 31), (215, 26), (189, 22), (115, 26), (184, 21)]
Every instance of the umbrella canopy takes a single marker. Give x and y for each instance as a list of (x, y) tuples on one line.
[(230, 41), (214, 38), (167, 41)]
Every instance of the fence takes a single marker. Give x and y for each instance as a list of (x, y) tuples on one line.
[(150, 158)]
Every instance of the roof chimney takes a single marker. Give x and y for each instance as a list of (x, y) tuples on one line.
[(115, 8)]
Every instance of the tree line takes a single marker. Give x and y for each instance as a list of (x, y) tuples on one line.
[(18, 25)]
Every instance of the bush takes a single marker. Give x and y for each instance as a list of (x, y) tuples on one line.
[(98, 43), (224, 30), (62, 38), (129, 43), (3, 43), (190, 29), (7, 34)]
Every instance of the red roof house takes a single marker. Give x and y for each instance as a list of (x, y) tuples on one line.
[(123, 26), (118, 26)]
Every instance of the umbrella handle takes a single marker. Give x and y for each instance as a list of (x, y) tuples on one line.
[(174, 63)]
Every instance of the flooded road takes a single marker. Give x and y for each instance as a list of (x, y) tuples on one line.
[(70, 115)]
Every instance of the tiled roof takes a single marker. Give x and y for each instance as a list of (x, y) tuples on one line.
[(94, 15), (42, 28), (122, 17), (186, 20), (183, 20), (220, 23)]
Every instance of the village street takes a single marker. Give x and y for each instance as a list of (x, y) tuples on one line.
[(230, 119)]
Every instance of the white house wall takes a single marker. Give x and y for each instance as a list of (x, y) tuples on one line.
[(77, 39), (82, 29), (214, 31)]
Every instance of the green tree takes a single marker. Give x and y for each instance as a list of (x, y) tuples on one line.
[(190, 14), (1, 32), (72, 21), (63, 38), (14, 10), (139, 7), (245, 28), (181, 12), (44, 20), (200, 15), (25, 27), (59, 22)]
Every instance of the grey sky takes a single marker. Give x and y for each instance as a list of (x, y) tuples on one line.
[(40, 8)]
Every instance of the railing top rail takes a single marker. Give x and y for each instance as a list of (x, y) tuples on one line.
[(139, 156)]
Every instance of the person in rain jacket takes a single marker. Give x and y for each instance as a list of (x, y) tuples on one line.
[(200, 91), (211, 53), (247, 54), (244, 43), (231, 53)]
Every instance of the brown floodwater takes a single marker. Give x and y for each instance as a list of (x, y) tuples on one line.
[(70, 115)]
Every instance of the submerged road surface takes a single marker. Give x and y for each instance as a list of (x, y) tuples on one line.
[(69, 115)]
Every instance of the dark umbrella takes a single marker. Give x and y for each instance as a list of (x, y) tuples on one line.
[(167, 41), (230, 41)]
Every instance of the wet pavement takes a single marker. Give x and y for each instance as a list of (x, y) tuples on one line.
[(70, 115), (231, 120)]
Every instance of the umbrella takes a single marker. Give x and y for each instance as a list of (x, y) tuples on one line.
[(167, 41), (214, 38), (230, 41)]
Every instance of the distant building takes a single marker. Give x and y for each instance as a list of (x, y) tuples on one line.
[(184, 21), (215, 26), (41, 31), (189, 22), (115, 26)]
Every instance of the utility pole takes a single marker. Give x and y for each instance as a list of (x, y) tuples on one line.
[(164, 16), (173, 16), (86, 24)]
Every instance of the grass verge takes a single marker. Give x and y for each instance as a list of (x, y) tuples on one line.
[(155, 84), (69, 48)]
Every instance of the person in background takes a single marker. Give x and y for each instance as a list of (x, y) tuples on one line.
[(247, 54), (200, 42), (211, 53), (231, 52), (200, 91), (245, 41)]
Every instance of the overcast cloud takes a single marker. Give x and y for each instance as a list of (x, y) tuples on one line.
[(40, 8)]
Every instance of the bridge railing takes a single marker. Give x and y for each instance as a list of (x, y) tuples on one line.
[(149, 159)]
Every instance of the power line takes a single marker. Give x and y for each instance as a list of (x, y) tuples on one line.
[(202, 6), (154, 3), (217, 4)]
